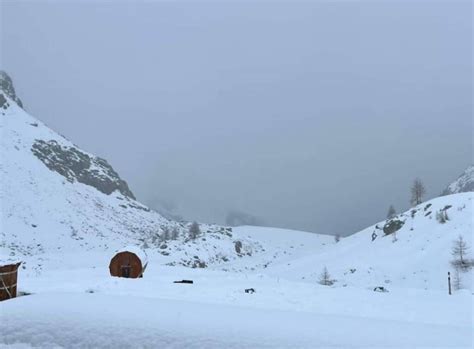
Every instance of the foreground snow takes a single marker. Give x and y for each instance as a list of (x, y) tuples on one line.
[(93, 320), (96, 320), (87, 308)]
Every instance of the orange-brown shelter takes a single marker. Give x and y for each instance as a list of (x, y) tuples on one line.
[(8, 280), (128, 263)]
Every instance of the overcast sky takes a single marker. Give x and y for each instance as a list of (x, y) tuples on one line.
[(311, 115)]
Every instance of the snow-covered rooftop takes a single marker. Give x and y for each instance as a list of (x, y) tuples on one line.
[(137, 251)]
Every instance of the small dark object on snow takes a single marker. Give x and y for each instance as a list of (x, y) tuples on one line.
[(374, 236), (380, 289), (184, 282), (249, 290)]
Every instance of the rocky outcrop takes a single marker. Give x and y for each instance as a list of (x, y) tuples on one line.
[(6, 86), (392, 226), (238, 247), (3, 102), (76, 165)]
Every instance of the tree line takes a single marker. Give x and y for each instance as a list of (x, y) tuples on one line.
[(417, 192)]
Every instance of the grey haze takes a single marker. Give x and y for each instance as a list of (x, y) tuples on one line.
[(309, 115)]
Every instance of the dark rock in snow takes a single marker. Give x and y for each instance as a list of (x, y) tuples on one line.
[(75, 165), (6, 85), (3, 102), (392, 226), (198, 264), (238, 247)]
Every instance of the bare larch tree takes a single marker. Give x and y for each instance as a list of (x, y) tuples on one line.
[(457, 282), (174, 233), (194, 230), (417, 192), (391, 212), (459, 250), (165, 236), (325, 278)]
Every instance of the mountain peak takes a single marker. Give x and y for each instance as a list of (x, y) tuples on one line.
[(6, 86), (464, 183)]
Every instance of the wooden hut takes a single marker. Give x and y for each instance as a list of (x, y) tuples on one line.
[(8, 278), (129, 262)]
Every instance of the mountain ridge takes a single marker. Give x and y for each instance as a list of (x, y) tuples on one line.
[(51, 211), (6, 85), (57, 198), (464, 183)]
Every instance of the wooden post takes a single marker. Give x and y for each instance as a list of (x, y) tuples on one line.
[(449, 282)]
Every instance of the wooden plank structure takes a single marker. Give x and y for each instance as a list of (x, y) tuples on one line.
[(128, 263), (8, 280)]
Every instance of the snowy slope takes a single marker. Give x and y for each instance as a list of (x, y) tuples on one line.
[(417, 255), (58, 200), (464, 183), (279, 246)]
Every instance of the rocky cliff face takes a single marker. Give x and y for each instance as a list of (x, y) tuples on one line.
[(68, 161), (76, 165), (6, 85)]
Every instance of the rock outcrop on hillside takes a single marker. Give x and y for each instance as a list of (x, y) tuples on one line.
[(76, 165), (6, 85)]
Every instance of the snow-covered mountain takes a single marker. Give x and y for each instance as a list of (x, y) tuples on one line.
[(64, 212), (6, 86), (410, 250), (58, 198), (464, 183)]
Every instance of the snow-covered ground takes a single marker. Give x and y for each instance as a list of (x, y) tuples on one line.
[(88, 308), (74, 302)]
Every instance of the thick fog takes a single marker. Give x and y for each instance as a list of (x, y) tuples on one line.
[(308, 115)]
